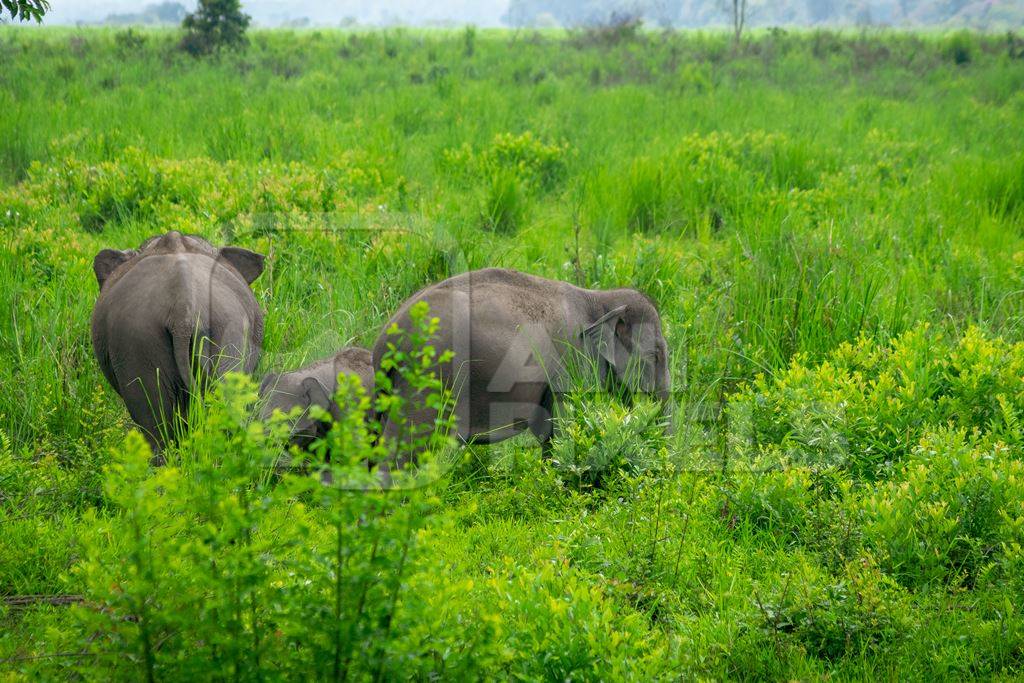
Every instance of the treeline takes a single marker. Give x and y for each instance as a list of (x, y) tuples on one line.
[(982, 14), (700, 13)]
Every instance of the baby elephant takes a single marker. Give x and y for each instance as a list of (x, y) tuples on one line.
[(171, 315), (314, 384)]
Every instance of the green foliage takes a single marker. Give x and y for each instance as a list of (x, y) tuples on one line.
[(511, 168), (778, 501), (215, 25), (504, 206), (23, 10), (867, 406), (522, 159), (960, 48), (573, 629), (217, 562), (859, 614), (425, 443), (139, 188), (944, 515), (598, 437)]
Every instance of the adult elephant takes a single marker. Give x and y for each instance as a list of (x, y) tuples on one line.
[(172, 314), (517, 341)]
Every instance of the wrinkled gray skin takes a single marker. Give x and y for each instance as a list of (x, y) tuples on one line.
[(171, 315), (513, 336), (314, 384)]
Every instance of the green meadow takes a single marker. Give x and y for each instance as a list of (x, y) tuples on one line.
[(831, 225)]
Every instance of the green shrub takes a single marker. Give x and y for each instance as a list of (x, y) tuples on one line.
[(536, 164), (219, 562), (138, 187), (867, 406), (861, 612), (944, 515), (960, 48), (597, 437), (572, 629), (776, 501)]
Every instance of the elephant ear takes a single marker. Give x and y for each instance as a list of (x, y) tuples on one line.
[(107, 261), (268, 382), (599, 339), (318, 395), (248, 263)]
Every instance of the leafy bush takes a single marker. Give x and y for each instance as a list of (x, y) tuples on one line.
[(960, 48), (776, 501), (867, 406), (138, 187), (536, 164), (945, 514), (597, 437), (863, 611), (607, 31), (573, 630), (219, 562)]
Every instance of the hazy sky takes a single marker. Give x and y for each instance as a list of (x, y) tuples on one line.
[(479, 12)]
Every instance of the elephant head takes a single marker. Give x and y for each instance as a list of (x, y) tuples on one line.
[(628, 345), (284, 395), (314, 385)]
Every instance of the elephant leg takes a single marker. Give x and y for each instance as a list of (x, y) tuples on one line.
[(542, 424), (545, 450), (155, 407), (404, 437)]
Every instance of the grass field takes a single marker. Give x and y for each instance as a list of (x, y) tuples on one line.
[(832, 225)]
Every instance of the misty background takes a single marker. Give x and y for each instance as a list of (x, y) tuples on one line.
[(987, 14)]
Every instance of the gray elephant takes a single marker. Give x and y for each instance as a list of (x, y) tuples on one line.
[(171, 315), (314, 384), (518, 339)]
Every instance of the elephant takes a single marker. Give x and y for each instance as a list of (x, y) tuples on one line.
[(515, 338), (315, 384), (172, 315)]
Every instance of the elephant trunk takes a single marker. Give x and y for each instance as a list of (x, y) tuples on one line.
[(664, 394)]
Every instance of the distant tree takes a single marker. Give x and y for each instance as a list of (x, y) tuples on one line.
[(23, 10), (214, 25), (738, 17)]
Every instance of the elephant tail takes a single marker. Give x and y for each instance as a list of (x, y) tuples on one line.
[(191, 353), (181, 345)]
